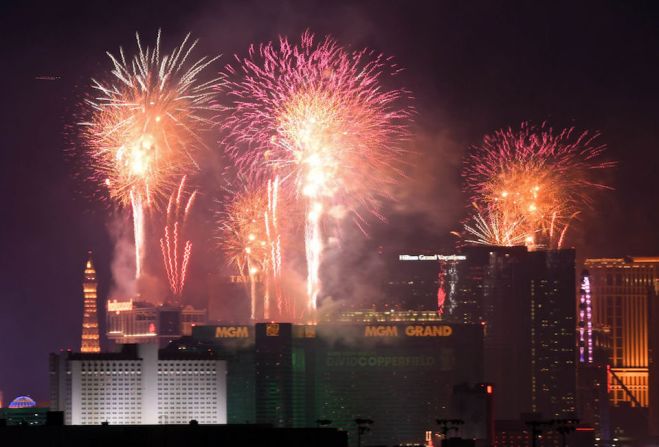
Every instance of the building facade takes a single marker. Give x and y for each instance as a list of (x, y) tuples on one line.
[(494, 291), (526, 301), (398, 373), (418, 281), (593, 384), (653, 359), (131, 321), (474, 406), (90, 335), (139, 385), (620, 288), (553, 333)]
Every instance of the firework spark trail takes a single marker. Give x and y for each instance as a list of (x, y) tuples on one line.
[(532, 182), (561, 237), (274, 243), (252, 271), (175, 257), (314, 248), (138, 229), (274, 240), (144, 125), (319, 117), (492, 228)]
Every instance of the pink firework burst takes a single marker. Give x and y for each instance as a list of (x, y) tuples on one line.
[(322, 119)]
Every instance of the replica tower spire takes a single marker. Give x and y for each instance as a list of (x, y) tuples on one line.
[(90, 339)]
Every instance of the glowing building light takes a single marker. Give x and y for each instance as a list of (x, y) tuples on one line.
[(22, 402), (585, 320)]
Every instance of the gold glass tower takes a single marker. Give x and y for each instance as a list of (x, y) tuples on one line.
[(90, 341), (621, 288)]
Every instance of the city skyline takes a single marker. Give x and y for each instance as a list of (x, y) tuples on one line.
[(54, 220)]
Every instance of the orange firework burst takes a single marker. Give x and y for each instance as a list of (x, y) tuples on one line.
[(251, 239), (144, 125), (243, 237), (532, 182)]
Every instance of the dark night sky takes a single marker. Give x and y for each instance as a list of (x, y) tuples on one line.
[(473, 67)]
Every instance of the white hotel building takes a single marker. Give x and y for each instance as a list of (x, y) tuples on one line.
[(138, 385)]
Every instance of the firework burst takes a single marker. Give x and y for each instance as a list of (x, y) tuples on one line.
[(251, 239), (532, 182), (144, 125), (320, 118), (492, 227)]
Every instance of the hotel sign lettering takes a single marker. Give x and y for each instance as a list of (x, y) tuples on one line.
[(231, 332), (431, 257), (119, 306), (408, 331)]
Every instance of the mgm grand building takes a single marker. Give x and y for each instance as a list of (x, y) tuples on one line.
[(398, 374)]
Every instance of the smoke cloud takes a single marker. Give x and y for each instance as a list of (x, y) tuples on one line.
[(123, 257)]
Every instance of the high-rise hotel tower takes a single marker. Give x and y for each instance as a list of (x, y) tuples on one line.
[(621, 288), (90, 341)]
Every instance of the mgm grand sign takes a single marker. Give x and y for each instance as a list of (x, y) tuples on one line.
[(232, 332), (412, 330)]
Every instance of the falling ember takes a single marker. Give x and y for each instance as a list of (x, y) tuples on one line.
[(319, 117), (144, 124), (175, 253), (532, 182)]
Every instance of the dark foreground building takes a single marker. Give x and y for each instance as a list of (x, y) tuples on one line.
[(473, 405), (170, 436), (547, 433), (398, 374), (27, 416), (527, 302)]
